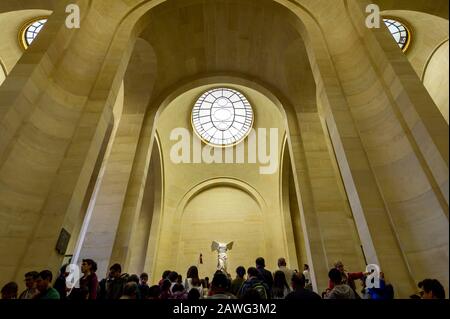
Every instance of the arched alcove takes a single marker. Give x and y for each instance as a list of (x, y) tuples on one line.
[(222, 213)]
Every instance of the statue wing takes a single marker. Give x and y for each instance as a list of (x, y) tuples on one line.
[(214, 246), (230, 245)]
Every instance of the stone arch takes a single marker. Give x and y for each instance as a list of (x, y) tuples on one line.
[(244, 194)]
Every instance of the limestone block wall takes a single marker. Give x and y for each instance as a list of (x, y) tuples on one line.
[(383, 146), (427, 52)]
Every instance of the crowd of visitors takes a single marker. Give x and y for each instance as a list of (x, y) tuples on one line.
[(255, 283)]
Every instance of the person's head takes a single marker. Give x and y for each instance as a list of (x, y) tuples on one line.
[(179, 279), (144, 278), (166, 285), (115, 271), (88, 266), (339, 265), (335, 276), (177, 288), (133, 278), (63, 270), (240, 271), (10, 290), (130, 290), (44, 280), (305, 267), (192, 272), (154, 292), (193, 294), (219, 283), (166, 274), (279, 279), (30, 279), (281, 262), (173, 276), (252, 272), (431, 289), (260, 262), (298, 281)]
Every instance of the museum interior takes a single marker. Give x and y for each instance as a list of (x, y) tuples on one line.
[(140, 132)]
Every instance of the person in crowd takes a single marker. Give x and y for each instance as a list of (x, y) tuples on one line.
[(384, 292), (166, 293), (237, 283), (164, 276), (192, 280), (194, 294), (365, 290), (347, 277), (265, 275), (220, 287), (154, 292), (207, 283), (30, 282), (254, 282), (60, 282), (280, 288), (340, 290), (115, 283), (288, 273), (135, 278), (10, 291), (43, 284), (300, 291), (89, 281), (206, 286), (130, 290), (307, 274), (173, 278), (144, 289), (178, 292), (431, 289), (180, 279)]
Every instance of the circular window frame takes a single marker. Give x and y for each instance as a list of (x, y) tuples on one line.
[(23, 30), (407, 27), (242, 139)]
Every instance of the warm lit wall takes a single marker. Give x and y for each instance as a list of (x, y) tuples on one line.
[(436, 77), (183, 207), (224, 214)]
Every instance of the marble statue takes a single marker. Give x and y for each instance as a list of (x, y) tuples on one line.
[(222, 257)]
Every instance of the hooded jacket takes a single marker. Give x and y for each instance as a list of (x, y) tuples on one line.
[(341, 292)]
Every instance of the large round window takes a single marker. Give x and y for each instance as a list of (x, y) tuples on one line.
[(222, 117)]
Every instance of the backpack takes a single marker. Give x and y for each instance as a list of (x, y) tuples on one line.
[(260, 288)]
